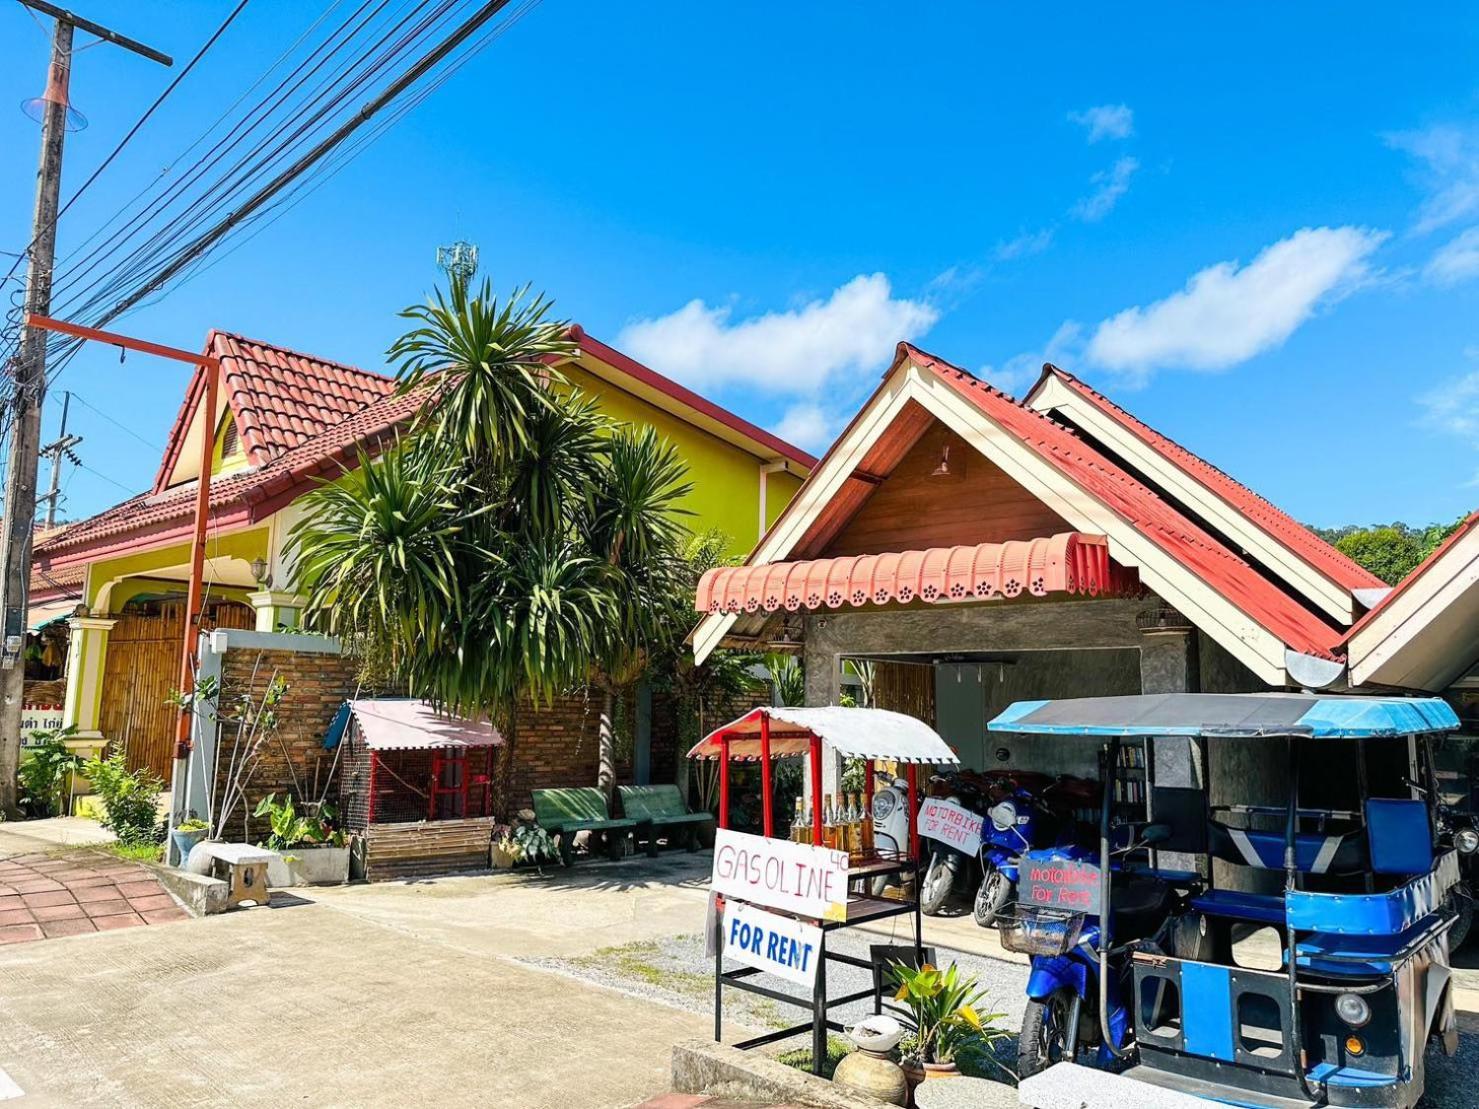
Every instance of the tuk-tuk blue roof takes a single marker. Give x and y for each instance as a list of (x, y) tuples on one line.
[(1231, 715)]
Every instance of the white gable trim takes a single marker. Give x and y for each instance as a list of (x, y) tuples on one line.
[(1329, 596), (1426, 635), (1254, 646)]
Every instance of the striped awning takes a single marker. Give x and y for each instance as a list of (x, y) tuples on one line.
[(1071, 562), (851, 732)]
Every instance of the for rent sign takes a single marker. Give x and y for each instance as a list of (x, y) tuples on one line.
[(811, 881), (777, 944), (950, 824), (1065, 884)]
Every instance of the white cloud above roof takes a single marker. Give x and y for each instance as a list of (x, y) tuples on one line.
[(1228, 313), (793, 352), (1109, 185)]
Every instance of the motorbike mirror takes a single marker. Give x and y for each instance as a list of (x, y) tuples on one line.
[(1156, 833)]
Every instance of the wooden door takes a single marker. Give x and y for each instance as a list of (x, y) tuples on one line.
[(142, 667)]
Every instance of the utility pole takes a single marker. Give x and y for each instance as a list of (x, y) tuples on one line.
[(30, 385), (56, 451)]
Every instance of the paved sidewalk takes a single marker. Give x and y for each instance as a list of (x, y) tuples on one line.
[(47, 896)]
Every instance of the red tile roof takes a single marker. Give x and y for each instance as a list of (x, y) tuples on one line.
[(278, 397), (1234, 579), (1282, 527), (236, 499)]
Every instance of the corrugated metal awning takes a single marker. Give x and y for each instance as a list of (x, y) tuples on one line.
[(405, 725), (1071, 562), (852, 733)]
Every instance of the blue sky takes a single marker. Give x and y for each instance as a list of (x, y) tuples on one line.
[(1256, 228)]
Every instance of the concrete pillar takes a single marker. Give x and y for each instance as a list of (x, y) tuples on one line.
[(1168, 664), (276, 609), (87, 654), (823, 687)]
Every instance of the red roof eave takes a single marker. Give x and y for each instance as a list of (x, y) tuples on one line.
[(1470, 523), (666, 385)]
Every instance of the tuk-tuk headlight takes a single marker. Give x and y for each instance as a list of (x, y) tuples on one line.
[(1003, 815), (1466, 840), (1352, 1009)]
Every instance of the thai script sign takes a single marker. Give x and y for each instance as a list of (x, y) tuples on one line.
[(1065, 884), (810, 881), (950, 824), (38, 718), (778, 945)]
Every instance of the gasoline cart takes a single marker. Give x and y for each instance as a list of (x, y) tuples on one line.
[(1146, 960), (778, 896)]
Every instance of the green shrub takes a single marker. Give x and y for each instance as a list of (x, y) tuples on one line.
[(43, 772), (130, 799)]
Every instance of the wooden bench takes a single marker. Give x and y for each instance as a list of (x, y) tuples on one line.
[(563, 812), (662, 808)]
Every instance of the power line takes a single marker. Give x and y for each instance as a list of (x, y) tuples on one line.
[(80, 399)]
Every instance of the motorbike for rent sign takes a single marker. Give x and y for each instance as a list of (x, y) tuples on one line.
[(950, 824), (808, 881), (778, 945), (1068, 885)]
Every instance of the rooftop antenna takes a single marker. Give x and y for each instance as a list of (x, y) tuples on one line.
[(458, 260)]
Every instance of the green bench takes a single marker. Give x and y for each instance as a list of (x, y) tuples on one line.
[(563, 812), (661, 808)]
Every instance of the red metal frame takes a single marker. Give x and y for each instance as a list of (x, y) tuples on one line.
[(816, 790), (189, 654), (442, 758), (724, 781), (766, 801)]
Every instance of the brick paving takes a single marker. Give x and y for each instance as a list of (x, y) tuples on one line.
[(48, 896)]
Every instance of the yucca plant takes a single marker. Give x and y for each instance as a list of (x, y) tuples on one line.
[(515, 544)]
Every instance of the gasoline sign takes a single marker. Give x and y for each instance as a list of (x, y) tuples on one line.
[(1069, 885), (776, 944), (796, 877)]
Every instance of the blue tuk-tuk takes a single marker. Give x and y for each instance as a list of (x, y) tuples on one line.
[(1284, 948)]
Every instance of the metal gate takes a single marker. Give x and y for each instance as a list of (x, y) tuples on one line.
[(142, 667)]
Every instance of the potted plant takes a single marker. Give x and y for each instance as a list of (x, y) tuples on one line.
[(310, 850), (187, 833), (525, 842), (945, 1016)]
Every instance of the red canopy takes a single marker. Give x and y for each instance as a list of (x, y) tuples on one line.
[(1071, 562)]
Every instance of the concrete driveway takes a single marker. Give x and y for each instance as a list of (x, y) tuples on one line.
[(364, 996)]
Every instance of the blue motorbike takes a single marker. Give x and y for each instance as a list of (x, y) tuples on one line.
[(1017, 821)]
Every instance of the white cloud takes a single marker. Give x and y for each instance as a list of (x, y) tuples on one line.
[(1110, 185), (1024, 245), (1456, 261), (1453, 407), (1226, 314), (793, 352), (1106, 121), (1450, 157), (1020, 372), (809, 426)]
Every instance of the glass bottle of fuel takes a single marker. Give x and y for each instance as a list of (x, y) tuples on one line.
[(866, 830), (855, 825), (800, 827), (830, 829)]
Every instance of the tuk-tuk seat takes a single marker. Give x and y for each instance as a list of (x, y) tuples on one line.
[(1261, 908), (1264, 850), (1400, 834)]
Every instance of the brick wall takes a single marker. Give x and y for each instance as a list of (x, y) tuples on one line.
[(317, 683)]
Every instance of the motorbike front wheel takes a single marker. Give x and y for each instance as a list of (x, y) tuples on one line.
[(994, 892), (934, 891), (1045, 1033)]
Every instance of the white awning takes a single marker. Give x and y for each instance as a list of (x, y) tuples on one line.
[(852, 733), (405, 725)]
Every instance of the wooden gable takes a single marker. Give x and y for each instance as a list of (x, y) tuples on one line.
[(915, 506)]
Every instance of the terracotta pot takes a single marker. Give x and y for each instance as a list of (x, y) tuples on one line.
[(933, 1071), (913, 1074)]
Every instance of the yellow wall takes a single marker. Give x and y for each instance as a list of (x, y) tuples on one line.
[(245, 545), (726, 479)]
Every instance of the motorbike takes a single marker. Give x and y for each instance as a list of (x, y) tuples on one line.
[(950, 871), (1457, 828), (890, 822), (1016, 821)]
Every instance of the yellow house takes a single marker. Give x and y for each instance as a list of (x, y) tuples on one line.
[(285, 421)]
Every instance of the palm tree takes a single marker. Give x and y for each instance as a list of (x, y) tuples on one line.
[(515, 542), (633, 528)]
